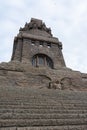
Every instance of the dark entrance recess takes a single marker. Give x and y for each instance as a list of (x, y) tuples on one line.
[(42, 60)]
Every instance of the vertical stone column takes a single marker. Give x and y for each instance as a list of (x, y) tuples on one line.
[(61, 58), (17, 50), (25, 51), (14, 47), (57, 55)]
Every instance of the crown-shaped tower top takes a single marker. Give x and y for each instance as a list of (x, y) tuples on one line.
[(37, 25)]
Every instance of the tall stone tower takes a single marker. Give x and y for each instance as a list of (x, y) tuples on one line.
[(36, 46)]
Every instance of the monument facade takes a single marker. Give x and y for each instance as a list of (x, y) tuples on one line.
[(36, 46), (37, 61), (28, 100)]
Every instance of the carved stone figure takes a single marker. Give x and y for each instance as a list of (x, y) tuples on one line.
[(55, 85)]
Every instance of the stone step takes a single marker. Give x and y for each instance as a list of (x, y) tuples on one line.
[(49, 103), (43, 103), (42, 107), (72, 127), (39, 96), (23, 97), (41, 111), (41, 116), (41, 122), (48, 92), (46, 99), (34, 103)]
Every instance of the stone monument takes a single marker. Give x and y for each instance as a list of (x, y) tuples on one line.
[(37, 61), (36, 46), (37, 90)]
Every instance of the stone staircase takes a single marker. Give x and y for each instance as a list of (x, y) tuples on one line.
[(42, 109)]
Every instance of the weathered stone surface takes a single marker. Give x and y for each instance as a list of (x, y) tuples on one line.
[(37, 25), (35, 39), (37, 60), (16, 73), (35, 85), (42, 109)]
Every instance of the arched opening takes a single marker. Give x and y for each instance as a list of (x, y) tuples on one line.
[(42, 60)]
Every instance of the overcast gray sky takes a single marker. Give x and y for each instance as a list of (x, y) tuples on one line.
[(67, 19)]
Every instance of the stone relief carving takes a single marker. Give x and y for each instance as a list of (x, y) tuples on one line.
[(64, 83), (55, 85)]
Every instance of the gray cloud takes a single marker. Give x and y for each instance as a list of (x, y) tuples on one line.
[(67, 19)]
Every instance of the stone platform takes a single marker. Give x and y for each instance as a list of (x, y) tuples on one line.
[(21, 74)]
